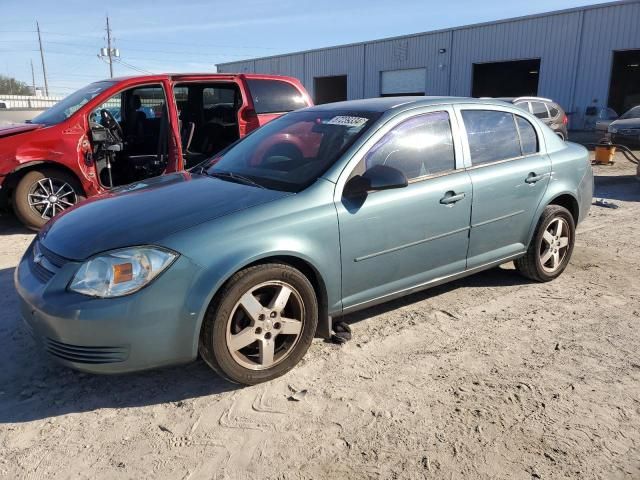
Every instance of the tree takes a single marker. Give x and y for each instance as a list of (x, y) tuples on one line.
[(11, 86)]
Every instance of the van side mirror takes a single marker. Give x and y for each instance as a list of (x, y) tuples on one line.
[(378, 177)]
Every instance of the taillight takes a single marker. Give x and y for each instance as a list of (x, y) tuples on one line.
[(565, 119)]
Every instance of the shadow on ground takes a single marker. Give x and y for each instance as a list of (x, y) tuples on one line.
[(34, 387), (617, 187), (496, 277), (9, 225)]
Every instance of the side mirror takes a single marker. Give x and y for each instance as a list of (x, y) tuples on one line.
[(378, 177)]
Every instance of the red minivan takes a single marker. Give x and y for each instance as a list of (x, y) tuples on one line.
[(123, 130)]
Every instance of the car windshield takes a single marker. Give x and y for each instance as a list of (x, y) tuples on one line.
[(291, 152), (69, 105), (633, 113)]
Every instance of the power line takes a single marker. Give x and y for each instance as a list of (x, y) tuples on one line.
[(149, 42), (133, 67)]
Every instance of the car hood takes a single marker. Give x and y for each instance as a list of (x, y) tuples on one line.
[(626, 123), (15, 128), (144, 212)]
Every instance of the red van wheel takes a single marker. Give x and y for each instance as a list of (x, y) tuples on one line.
[(42, 194)]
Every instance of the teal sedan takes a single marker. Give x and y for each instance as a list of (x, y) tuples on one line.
[(324, 211)]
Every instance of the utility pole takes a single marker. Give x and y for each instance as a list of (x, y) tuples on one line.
[(109, 48), (33, 77), (109, 53), (44, 69)]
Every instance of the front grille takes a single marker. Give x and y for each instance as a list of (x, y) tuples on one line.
[(44, 264), (40, 272), (54, 258), (80, 354)]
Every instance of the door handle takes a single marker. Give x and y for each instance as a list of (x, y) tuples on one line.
[(533, 178), (451, 197)]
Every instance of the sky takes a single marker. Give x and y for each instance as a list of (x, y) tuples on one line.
[(194, 35)]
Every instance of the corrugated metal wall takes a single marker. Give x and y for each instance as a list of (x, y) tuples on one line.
[(553, 39), (348, 60), (604, 31), (575, 48), (413, 52)]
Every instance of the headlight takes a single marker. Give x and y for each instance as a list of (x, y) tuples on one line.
[(121, 272), (612, 129)]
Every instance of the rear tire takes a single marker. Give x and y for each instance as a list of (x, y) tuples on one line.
[(41, 194), (551, 247), (260, 324)]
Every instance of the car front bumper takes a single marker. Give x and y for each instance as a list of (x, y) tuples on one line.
[(628, 140), (147, 329)]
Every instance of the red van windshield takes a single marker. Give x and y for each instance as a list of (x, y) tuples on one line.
[(70, 105)]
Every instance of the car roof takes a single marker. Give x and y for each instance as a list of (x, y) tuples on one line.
[(195, 75), (384, 104), (526, 97)]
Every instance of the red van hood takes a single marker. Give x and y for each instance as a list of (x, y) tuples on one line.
[(15, 128)]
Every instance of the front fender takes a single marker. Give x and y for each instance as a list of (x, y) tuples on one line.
[(302, 226)]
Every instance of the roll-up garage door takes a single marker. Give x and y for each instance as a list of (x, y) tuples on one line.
[(403, 82)]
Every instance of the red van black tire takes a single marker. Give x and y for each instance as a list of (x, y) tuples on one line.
[(43, 193)]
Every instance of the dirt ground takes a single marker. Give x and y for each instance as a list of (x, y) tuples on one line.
[(488, 377)]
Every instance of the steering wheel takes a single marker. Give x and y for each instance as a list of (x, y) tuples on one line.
[(109, 121)]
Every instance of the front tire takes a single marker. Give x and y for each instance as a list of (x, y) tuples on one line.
[(551, 247), (42, 194), (260, 324)]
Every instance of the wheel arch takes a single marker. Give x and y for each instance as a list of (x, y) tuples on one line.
[(314, 276), (21, 170), (304, 265), (564, 199), (568, 201)]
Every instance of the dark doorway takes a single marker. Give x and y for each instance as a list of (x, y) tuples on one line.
[(624, 86), (330, 89), (506, 79)]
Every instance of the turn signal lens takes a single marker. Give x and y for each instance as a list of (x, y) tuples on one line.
[(122, 272)]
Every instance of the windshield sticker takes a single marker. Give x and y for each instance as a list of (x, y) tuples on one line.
[(347, 121)]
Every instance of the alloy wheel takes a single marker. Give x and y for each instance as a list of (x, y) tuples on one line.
[(265, 325), (555, 245), (50, 196)]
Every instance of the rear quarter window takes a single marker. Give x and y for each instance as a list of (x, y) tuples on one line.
[(554, 111), (275, 96), (528, 137)]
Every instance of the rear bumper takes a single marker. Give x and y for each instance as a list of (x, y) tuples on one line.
[(148, 329)]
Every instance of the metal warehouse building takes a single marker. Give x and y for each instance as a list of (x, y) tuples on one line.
[(583, 58)]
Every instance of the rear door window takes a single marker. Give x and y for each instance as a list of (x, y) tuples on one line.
[(275, 96), (539, 109), (420, 146), (492, 136)]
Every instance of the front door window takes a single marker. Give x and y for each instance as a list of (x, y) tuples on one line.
[(130, 132)]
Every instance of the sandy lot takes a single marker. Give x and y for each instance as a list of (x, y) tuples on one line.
[(488, 377)]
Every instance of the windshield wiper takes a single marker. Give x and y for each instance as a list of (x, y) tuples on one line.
[(234, 177)]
